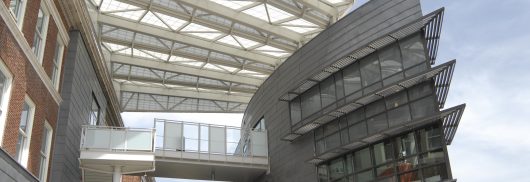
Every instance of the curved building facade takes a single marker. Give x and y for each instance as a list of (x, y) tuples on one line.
[(362, 101)]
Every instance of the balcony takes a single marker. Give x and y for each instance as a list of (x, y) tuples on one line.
[(116, 151)]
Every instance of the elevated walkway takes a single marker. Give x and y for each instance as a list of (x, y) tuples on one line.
[(174, 149)]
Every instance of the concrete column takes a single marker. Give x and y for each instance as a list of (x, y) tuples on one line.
[(116, 176)]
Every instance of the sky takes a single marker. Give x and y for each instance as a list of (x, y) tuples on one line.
[(490, 39)]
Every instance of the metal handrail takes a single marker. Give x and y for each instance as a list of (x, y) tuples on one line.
[(113, 129)]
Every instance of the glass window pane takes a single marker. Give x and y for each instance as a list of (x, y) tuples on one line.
[(408, 164), (310, 102), (423, 108), (44, 141), (420, 90), (385, 170), (362, 159), (431, 138), (2, 86), (327, 91), (377, 123), (339, 85), (14, 7), (370, 70), (406, 145), (412, 50), (375, 108), (352, 78), (349, 163), (390, 58), (364, 176), (333, 141), (432, 157), (323, 173), (358, 131), (410, 177), (393, 79), (355, 116), (331, 127), (20, 145), (320, 146), (40, 21), (336, 168), (383, 152), (399, 116), (24, 117), (435, 173), (296, 111), (396, 100), (420, 68)]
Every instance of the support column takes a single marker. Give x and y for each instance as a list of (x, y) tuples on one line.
[(116, 176)]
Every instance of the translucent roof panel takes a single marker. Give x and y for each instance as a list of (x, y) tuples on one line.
[(300, 25), (335, 1), (114, 47), (133, 15), (201, 31), (174, 23), (152, 19), (115, 5), (233, 4), (229, 40), (266, 11)]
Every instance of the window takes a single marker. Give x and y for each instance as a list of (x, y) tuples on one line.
[(260, 126), (327, 91), (423, 108), (370, 70), (45, 151), (352, 78), (362, 159), (412, 51), (406, 145), (336, 169), (18, 8), (94, 112), (5, 92), (296, 111), (323, 173), (41, 28), (390, 58), (310, 102), (57, 59), (24, 132)]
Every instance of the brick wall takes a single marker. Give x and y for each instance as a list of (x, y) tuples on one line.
[(27, 82)]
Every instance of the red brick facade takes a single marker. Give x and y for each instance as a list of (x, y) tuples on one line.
[(27, 82)]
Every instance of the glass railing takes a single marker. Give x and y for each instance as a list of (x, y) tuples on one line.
[(108, 138), (208, 139)]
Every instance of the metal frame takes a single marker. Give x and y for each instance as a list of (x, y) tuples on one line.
[(248, 65)]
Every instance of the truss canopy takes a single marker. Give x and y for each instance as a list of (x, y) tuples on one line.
[(208, 51)]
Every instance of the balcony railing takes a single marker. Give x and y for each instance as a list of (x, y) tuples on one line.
[(207, 142), (106, 138)]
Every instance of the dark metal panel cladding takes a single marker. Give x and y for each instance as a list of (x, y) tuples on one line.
[(79, 83), (369, 22)]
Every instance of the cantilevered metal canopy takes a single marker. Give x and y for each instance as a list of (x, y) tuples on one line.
[(202, 55)]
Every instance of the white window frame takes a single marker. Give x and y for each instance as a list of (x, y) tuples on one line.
[(57, 62), (6, 96), (42, 35), (24, 157), (43, 169), (19, 18)]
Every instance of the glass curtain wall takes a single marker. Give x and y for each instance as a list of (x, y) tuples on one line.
[(410, 104), (410, 157), (395, 62)]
